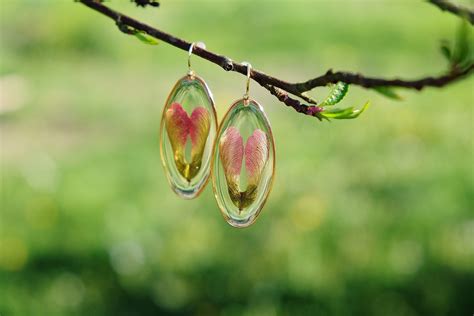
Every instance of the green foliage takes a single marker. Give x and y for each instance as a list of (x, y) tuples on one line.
[(145, 38), (463, 49), (389, 92), (142, 36), (337, 93), (461, 52), (446, 50), (345, 113)]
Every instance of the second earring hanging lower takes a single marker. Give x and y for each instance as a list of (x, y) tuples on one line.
[(243, 162)]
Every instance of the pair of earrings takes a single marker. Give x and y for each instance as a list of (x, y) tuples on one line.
[(239, 155)]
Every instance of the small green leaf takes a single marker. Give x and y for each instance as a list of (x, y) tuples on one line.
[(334, 113), (463, 47), (388, 92), (446, 50), (145, 38), (347, 113), (337, 93), (356, 113)]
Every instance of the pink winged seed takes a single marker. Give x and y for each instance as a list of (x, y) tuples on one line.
[(231, 151), (177, 126), (199, 127), (256, 154)]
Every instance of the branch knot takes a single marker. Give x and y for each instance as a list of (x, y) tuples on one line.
[(227, 64)]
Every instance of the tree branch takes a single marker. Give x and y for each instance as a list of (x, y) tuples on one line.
[(312, 110), (367, 82), (455, 9), (277, 87)]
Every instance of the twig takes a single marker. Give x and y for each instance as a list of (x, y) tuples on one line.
[(275, 86), (367, 82), (312, 110), (455, 9)]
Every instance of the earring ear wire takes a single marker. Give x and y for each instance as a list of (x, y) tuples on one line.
[(190, 52), (247, 87), (201, 45)]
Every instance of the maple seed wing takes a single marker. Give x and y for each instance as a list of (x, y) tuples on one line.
[(231, 152), (199, 130), (256, 154), (177, 127)]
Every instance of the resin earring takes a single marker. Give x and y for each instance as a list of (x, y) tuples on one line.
[(188, 128), (243, 161)]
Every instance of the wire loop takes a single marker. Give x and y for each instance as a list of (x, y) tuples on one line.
[(247, 88), (190, 52)]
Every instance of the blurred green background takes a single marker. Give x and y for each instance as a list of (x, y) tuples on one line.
[(367, 217)]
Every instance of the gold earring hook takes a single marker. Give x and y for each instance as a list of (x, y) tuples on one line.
[(247, 88), (190, 52)]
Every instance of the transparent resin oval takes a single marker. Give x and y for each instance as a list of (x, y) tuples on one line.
[(244, 163), (187, 131)]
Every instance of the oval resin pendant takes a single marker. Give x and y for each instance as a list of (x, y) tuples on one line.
[(188, 127), (244, 163)]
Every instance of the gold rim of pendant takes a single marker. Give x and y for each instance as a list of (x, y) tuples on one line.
[(191, 75)]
